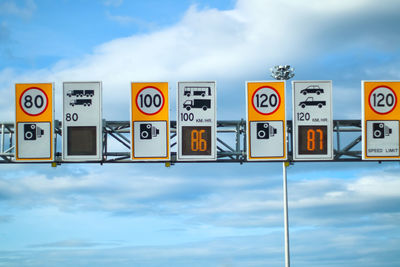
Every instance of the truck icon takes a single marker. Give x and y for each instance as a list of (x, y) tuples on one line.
[(197, 103), (83, 102), (311, 102), (312, 89), (75, 93), (80, 93), (197, 91), (89, 93)]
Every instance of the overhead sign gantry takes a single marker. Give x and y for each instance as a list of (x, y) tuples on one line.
[(266, 120), (380, 120)]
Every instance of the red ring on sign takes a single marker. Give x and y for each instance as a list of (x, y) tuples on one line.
[(152, 87), (279, 98), (20, 101), (395, 99)]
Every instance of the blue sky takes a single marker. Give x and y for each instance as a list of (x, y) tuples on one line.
[(198, 214)]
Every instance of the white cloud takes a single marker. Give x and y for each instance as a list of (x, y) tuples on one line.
[(227, 201), (228, 46)]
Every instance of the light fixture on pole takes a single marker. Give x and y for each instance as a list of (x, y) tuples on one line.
[(284, 72)]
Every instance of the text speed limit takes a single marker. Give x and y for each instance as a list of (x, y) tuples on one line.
[(150, 100), (266, 100)]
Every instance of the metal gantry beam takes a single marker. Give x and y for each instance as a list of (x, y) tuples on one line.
[(231, 141)]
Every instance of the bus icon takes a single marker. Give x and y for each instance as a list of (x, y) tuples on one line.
[(197, 91)]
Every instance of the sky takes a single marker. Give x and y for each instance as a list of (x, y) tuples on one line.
[(340, 214)]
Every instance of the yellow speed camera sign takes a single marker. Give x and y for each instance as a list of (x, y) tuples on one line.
[(266, 120), (34, 116), (150, 121), (380, 123)]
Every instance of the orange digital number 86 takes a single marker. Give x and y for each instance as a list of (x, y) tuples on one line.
[(197, 141)]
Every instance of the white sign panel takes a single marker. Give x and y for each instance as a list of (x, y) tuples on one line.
[(312, 120), (82, 121), (34, 140), (196, 122), (267, 134)]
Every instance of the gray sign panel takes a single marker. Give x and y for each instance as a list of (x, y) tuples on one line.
[(82, 121), (197, 122), (312, 120)]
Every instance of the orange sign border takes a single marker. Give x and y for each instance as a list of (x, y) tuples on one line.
[(138, 115), (279, 114), (368, 114), (45, 116)]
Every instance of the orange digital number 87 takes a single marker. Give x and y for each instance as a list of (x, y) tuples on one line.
[(311, 139), (197, 141)]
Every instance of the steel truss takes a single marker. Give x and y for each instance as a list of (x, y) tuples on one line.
[(231, 141)]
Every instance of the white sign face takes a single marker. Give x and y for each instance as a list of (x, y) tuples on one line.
[(34, 140), (197, 123), (312, 120), (82, 121), (266, 100), (267, 134), (150, 100), (382, 100), (149, 137), (383, 138), (34, 101)]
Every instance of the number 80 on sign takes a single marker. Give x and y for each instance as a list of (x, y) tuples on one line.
[(33, 101)]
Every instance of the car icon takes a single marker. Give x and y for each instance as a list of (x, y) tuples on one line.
[(312, 89), (311, 102)]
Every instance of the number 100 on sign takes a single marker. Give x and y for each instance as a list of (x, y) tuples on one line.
[(150, 100)]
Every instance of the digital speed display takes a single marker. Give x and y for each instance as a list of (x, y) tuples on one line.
[(196, 140), (312, 140)]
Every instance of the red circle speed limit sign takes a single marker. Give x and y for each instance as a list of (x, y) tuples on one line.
[(33, 101), (150, 100), (382, 99), (266, 100)]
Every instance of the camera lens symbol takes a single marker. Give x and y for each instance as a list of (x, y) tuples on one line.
[(262, 131), (377, 134), (30, 131), (148, 131), (28, 135), (265, 131), (380, 130)]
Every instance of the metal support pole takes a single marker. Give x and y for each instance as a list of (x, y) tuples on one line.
[(285, 164)]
